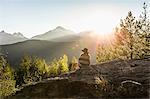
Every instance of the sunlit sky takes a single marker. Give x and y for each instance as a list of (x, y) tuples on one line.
[(32, 17)]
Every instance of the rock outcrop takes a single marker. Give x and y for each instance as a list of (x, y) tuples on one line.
[(118, 71), (130, 78)]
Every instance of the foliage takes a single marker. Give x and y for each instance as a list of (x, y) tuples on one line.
[(54, 67), (105, 53), (63, 64), (74, 64), (144, 32), (33, 69), (128, 36), (59, 66), (19, 77), (41, 66), (7, 82), (132, 39), (7, 87), (134, 36)]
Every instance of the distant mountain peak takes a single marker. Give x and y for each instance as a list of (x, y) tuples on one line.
[(58, 32), (60, 27), (18, 34), (8, 38)]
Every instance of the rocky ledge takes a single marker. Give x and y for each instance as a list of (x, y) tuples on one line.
[(115, 79)]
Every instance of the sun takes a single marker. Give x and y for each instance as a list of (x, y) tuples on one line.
[(102, 26), (101, 22)]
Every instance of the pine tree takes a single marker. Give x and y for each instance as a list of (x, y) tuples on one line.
[(105, 53), (63, 64), (127, 38), (41, 67), (7, 82), (54, 68), (33, 68), (144, 32), (132, 39), (26, 63)]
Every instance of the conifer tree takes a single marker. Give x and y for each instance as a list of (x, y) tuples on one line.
[(104, 53), (63, 64), (132, 39), (7, 82), (41, 67), (26, 64), (54, 68), (33, 68), (126, 38), (144, 32)]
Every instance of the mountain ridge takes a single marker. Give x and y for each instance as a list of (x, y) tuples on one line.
[(7, 38), (59, 34), (59, 31)]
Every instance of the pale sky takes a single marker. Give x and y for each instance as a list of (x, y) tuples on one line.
[(32, 17)]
